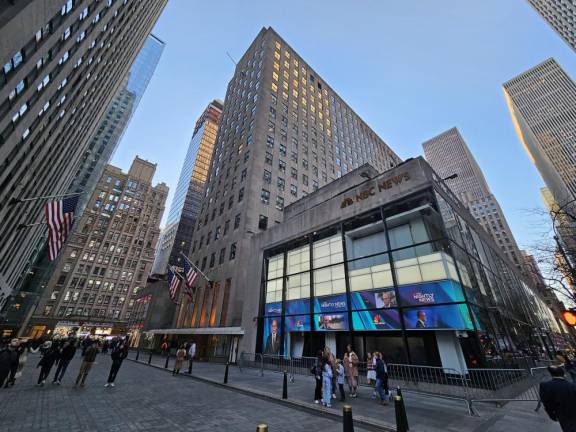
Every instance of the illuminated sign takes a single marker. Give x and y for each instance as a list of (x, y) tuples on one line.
[(380, 186)]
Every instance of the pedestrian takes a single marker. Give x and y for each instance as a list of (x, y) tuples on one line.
[(8, 362), (180, 355), (164, 348), (105, 347), (191, 355), (382, 379), (87, 362), (49, 356), (332, 361), (351, 370), (340, 373), (559, 399), (317, 372), (326, 382), (371, 371), (119, 353), (22, 359), (67, 353)]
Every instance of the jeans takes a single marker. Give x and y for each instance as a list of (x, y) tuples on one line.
[(114, 370), (326, 390), (382, 388), (61, 370)]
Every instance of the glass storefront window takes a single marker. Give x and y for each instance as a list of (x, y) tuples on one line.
[(370, 273), (274, 291), (298, 286), (329, 280), (328, 251), (275, 266), (298, 260)]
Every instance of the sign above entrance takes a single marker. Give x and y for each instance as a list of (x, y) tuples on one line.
[(381, 185)]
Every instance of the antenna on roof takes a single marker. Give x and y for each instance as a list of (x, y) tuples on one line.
[(230, 57)]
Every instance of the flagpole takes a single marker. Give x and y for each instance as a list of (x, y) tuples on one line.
[(192, 264), (14, 200)]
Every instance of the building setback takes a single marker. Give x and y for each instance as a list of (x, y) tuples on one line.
[(449, 155), (108, 258), (542, 103), (284, 133), (62, 63), (176, 237), (561, 15)]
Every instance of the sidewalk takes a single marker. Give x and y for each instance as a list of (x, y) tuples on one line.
[(424, 413)]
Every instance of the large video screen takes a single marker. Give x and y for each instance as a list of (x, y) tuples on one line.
[(271, 336), (386, 319), (331, 321), (273, 308), (375, 299), (333, 303), (438, 317), (299, 306), (296, 323), (444, 291)]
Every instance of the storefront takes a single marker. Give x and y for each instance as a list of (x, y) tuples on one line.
[(393, 264)]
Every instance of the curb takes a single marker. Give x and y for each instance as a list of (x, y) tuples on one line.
[(360, 421)]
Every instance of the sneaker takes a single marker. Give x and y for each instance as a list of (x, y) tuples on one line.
[(107, 385), (333, 396), (111, 384), (316, 401), (58, 382), (328, 406)]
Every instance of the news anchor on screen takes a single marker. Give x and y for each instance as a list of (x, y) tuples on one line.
[(421, 323), (273, 340)]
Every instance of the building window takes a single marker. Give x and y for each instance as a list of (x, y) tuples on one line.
[(294, 190), (263, 222), (203, 264), (265, 196), (217, 233), (237, 221), (243, 175), (281, 183), (294, 173), (270, 141), (279, 203), (226, 227), (267, 176), (268, 159), (208, 238), (212, 259), (240, 195), (282, 165), (232, 251)]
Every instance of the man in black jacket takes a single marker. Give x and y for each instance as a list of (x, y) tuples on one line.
[(559, 399), (9, 357), (67, 353), (119, 353)]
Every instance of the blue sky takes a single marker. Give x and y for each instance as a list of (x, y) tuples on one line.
[(411, 69)]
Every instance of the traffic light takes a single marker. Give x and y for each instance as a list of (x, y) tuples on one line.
[(569, 317)]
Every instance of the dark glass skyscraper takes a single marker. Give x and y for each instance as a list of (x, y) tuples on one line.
[(111, 129), (177, 235)]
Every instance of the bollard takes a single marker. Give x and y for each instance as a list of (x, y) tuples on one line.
[(348, 422), (262, 428), (401, 418), (285, 386), (226, 374), (167, 360), (137, 354), (150, 358), (398, 391)]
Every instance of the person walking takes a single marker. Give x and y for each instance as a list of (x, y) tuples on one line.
[(191, 355), (559, 399), (317, 371), (87, 362), (371, 371), (8, 361), (331, 358), (382, 379), (49, 356), (326, 382), (67, 353), (180, 355), (119, 353), (340, 379), (351, 370)]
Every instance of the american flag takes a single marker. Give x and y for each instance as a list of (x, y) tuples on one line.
[(59, 218), (173, 283), (190, 277)]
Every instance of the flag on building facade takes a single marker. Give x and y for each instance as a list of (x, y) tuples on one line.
[(59, 218), (173, 284), (190, 275)]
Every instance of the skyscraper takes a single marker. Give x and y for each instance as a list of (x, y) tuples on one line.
[(561, 15), (112, 127), (108, 258), (449, 155), (62, 64), (542, 103), (176, 237), (284, 132)]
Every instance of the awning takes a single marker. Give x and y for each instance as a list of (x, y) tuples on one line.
[(200, 330)]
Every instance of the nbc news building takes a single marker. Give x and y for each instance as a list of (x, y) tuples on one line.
[(391, 262)]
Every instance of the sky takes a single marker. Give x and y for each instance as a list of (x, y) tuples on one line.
[(411, 69)]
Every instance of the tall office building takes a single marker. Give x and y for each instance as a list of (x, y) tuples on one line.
[(449, 155), (108, 258), (284, 133), (542, 103), (63, 61), (561, 15), (111, 129), (176, 237)]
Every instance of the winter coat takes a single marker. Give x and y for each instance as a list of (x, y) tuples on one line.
[(351, 365), (119, 354), (8, 360), (49, 357)]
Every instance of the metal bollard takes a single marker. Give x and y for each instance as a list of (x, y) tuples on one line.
[(137, 354), (167, 360), (401, 418), (262, 428), (285, 386), (348, 422), (398, 391), (150, 358), (226, 374)]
